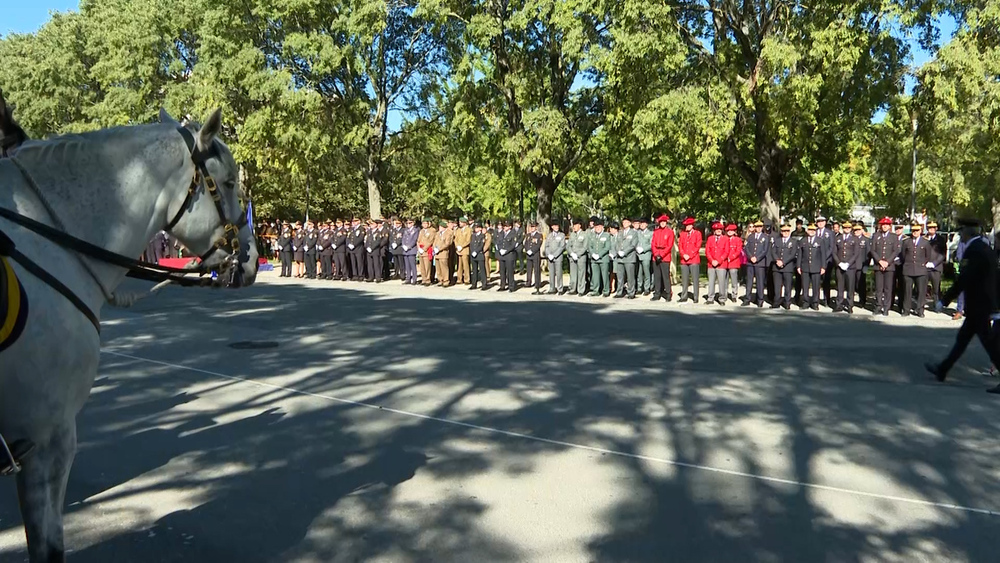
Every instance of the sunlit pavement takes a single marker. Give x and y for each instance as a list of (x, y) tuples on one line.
[(399, 423)]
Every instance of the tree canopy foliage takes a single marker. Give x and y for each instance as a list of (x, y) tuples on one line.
[(715, 108)]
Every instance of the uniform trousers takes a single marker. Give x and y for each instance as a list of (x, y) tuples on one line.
[(883, 290), (326, 266), (717, 283), (339, 265), (625, 272), (661, 279), (979, 326), (556, 274), (600, 278), (310, 259), (463, 269), (478, 274), (827, 281), (690, 274), (845, 288), (812, 283), (734, 282), (286, 264), (357, 264), (644, 279), (578, 275), (507, 272), (534, 271), (397, 265), (424, 262), (756, 274), (921, 283), (374, 267), (861, 287), (935, 279), (409, 268), (900, 282), (441, 262), (782, 288)]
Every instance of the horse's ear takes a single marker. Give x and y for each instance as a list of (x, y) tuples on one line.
[(166, 119), (211, 129)]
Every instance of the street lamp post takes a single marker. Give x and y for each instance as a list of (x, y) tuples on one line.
[(913, 185)]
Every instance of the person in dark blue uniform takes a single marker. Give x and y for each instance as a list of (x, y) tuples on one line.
[(284, 243), (783, 254)]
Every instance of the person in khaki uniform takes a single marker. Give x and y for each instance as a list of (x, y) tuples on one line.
[(442, 253), (425, 242), (463, 235)]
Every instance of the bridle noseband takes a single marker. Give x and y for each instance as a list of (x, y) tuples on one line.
[(230, 241)]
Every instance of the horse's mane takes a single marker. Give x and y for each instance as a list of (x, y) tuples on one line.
[(103, 142)]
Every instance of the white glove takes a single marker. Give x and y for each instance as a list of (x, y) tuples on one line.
[(573, 256), (551, 257), (351, 246), (639, 250), (596, 256), (335, 247), (420, 251), (319, 248), (474, 254), (843, 266), (307, 249), (435, 250), (369, 249), (458, 248), (502, 252), (393, 245), (621, 253), (930, 264), (405, 248)]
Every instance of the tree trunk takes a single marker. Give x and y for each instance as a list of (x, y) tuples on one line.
[(995, 209), (770, 208), (374, 193), (545, 188)]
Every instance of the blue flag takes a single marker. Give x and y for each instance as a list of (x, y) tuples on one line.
[(250, 216)]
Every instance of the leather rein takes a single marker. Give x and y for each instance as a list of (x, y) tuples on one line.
[(138, 269)]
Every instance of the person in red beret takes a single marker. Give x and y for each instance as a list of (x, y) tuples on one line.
[(885, 247), (663, 246), (717, 254), (734, 261), (689, 248)]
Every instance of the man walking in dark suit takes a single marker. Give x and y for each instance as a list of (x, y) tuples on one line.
[(916, 255), (978, 280), (783, 253)]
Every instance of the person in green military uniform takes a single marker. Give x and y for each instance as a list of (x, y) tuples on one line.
[(599, 251), (644, 252), (625, 260), (576, 249)]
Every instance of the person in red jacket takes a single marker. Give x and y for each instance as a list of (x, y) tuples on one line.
[(689, 248), (717, 254), (663, 246), (734, 261)]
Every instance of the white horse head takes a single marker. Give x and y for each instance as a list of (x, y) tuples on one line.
[(202, 226)]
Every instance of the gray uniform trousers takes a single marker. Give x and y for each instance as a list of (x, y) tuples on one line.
[(645, 277), (556, 274), (578, 275), (717, 277)]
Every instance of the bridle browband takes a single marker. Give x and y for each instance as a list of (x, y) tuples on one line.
[(137, 269)]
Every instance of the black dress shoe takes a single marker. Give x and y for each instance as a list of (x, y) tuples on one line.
[(655, 298), (502, 289), (471, 287), (670, 298), (682, 299), (645, 293), (920, 314), (631, 296), (787, 307), (619, 295), (775, 306), (745, 304), (935, 370), (551, 292), (536, 292), (815, 307)]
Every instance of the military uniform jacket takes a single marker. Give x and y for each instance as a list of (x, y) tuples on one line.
[(325, 244), (812, 255), (310, 241), (625, 245), (849, 250), (477, 246), (285, 241), (555, 245), (533, 244), (689, 242), (488, 244), (356, 238), (462, 237), (577, 244), (787, 251), (734, 252), (339, 240), (938, 251), (600, 247), (865, 247), (396, 241), (644, 249), (716, 250), (444, 240), (663, 244), (885, 246), (408, 243), (426, 238), (757, 245), (518, 238), (506, 244), (829, 242), (916, 254)]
